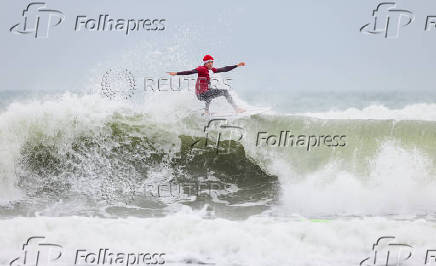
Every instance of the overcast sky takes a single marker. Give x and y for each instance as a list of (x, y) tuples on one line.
[(299, 45)]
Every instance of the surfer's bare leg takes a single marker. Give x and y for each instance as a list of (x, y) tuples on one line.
[(240, 110), (230, 100), (213, 93), (206, 107)]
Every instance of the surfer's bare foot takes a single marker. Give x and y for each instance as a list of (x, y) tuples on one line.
[(240, 110)]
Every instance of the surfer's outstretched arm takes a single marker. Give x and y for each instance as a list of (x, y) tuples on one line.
[(189, 72), (227, 68)]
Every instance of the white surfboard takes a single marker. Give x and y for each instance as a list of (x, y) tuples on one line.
[(247, 113)]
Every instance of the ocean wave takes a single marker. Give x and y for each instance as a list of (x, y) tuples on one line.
[(87, 147)]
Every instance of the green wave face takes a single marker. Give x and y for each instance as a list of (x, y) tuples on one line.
[(124, 160), (120, 161), (353, 144)]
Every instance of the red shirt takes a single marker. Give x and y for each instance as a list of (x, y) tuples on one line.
[(203, 80)]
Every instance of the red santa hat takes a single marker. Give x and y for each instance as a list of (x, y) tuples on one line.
[(207, 58)]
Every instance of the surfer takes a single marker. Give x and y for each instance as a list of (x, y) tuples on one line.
[(202, 89)]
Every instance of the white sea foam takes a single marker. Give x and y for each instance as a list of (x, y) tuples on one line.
[(422, 111), (187, 236), (398, 182)]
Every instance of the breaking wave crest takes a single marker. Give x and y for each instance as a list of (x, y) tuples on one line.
[(111, 156)]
